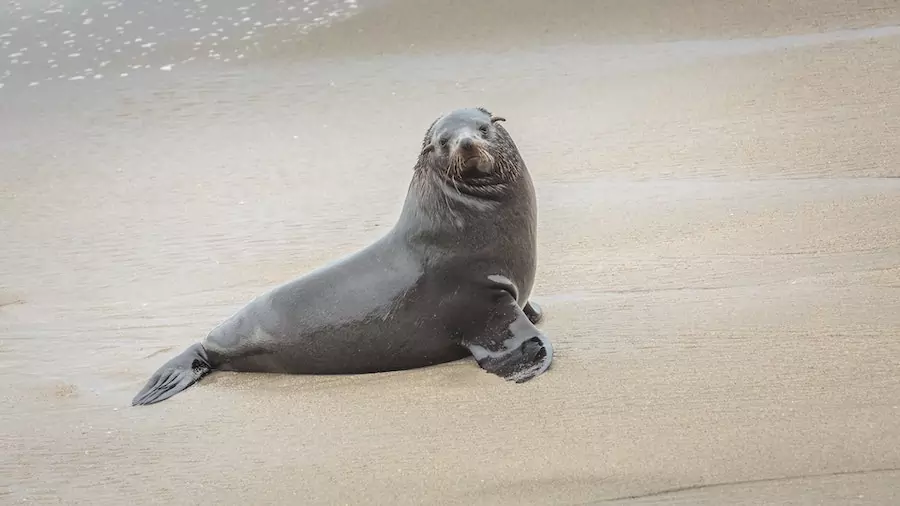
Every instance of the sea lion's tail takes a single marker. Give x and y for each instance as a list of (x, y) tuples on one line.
[(174, 376)]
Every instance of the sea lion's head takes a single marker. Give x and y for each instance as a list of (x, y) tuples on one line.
[(467, 146)]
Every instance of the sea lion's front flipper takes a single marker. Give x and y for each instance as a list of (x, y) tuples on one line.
[(510, 346)]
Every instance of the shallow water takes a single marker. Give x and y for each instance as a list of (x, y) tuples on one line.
[(719, 252), (41, 42)]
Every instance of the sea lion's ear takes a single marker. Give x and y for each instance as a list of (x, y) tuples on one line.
[(427, 148), (495, 119)]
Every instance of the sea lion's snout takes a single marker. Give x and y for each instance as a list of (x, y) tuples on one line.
[(472, 154), (466, 148), (466, 144)]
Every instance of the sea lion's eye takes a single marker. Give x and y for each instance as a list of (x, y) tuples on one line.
[(444, 141), (483, 129)]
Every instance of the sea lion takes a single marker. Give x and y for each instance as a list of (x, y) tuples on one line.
[(452, 278)]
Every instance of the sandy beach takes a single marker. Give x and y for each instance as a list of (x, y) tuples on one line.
[(719, 248)]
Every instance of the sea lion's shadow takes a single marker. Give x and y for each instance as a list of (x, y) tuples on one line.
[(454, 374)]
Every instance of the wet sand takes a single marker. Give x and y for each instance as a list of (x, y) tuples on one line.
[(719, 256)]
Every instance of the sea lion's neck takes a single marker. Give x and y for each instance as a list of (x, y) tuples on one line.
[(436, 213), (434, 202)]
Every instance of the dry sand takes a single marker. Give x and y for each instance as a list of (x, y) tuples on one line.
[(719, 261)]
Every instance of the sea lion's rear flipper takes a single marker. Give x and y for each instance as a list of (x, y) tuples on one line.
[(534, 312), (174, 376), (510, 345)]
